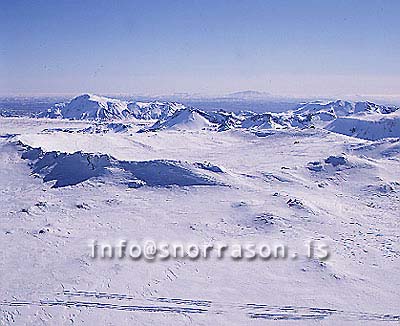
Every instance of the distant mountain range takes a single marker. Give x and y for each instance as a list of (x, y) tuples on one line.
[(249, 95), (349, 118)]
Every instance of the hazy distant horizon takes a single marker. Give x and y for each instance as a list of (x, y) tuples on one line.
[(294, 49), (228, 97)]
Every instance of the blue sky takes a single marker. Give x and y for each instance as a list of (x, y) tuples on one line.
[(311, 48)]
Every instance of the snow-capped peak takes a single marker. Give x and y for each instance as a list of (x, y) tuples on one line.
[(340, 108), (94, 107), (184, 119)]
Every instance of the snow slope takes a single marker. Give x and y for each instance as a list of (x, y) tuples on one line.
[(68, 169), (286, 186), (195, 119), (154, 110), (317, 113), (340, 108), (368, 127), (93, 107), (185, 119)]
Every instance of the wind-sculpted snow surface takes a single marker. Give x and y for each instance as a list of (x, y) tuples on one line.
[(203, 178), (178, 306), (71, 169), (66, 183), (95, 128), (166, 173), (66, 169)]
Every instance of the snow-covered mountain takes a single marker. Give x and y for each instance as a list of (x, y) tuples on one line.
[(263, 121), (315, 113), (364, 119), (372, 127), (358, 119), (93, 107), (185, 119), (249, 95), (153, 110), (195, 119), (54, 112), (340, 108)]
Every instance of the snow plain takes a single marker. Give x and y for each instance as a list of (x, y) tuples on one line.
[(345, 192)]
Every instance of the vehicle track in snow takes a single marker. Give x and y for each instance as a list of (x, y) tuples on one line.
[(128, 303)]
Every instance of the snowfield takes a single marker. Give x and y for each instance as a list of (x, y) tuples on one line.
[(368, 127), (328, 171)]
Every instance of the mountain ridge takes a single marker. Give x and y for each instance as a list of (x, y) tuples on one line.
[(331, 115), (93, 107)]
